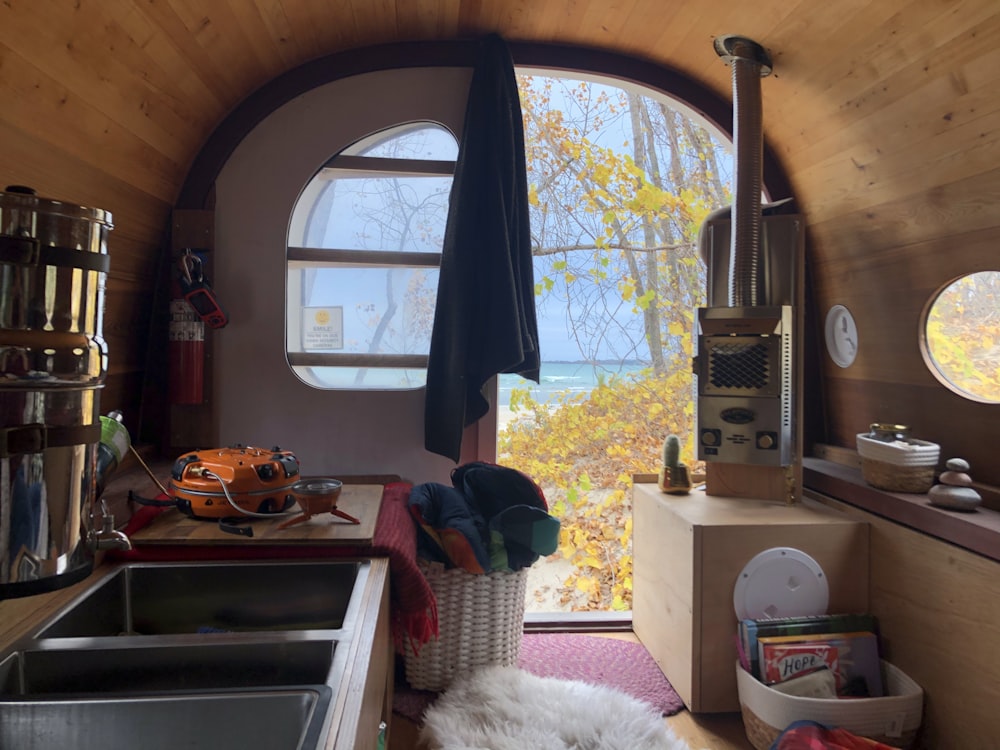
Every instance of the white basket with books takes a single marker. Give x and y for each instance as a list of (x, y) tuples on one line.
[(827, 669), (892, 719)]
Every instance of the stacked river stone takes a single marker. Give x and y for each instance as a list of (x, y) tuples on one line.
[(954, 490)]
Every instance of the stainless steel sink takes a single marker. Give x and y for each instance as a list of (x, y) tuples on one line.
[(290, 719), (222, 666), (195, 655), (167, 598)]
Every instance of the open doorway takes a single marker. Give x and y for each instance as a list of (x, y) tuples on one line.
[(620, 180)]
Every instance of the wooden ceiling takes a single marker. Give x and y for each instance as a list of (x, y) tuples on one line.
[(132, 88)]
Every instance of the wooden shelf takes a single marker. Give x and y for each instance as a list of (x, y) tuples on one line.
[(978, 531)]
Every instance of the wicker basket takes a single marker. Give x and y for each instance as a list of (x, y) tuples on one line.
[(893, 720), (480, 623), (912, 479), (902, 466)]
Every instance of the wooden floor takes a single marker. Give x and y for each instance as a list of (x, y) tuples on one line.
[(700, 731)]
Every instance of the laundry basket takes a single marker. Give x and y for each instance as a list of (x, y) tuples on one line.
[(480, 623)]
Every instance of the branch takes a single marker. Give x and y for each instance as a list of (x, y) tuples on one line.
[(542, 251)]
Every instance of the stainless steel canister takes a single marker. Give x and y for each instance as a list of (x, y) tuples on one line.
[(53, 363)]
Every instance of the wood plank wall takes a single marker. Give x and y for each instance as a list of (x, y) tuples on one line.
[(899, 177), (938, 608)]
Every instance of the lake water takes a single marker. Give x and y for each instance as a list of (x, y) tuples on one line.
[(562, 377)]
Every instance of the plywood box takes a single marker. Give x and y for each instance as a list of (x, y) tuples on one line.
[(688, 551)]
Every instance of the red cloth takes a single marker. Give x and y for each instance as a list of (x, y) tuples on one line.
[(413, 608), (808, 735)]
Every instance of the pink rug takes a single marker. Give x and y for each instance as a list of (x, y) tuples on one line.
[(611, 662)]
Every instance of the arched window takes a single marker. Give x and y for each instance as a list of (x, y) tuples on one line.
[(364, 248)]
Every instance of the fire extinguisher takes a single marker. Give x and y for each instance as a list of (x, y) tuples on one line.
[(186, 351), (193, 304)]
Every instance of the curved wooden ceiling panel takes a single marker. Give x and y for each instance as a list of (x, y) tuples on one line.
[(123, 84)]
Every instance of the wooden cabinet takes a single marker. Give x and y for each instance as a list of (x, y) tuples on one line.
[(364, 699), (368, 681), (688, 551)]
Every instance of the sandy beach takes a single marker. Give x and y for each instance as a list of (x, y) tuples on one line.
[(546, 588)]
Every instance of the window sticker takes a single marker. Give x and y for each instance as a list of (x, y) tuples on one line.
[(322, 328)]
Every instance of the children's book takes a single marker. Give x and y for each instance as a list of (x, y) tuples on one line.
[(751, 630), (858, 672), (786, 661)]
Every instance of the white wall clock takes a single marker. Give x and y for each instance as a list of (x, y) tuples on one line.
[(841, 336)]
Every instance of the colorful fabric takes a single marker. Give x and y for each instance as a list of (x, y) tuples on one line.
[(810, 735), (527, 533), (516, 512), (491, 487), (449, 531), (494, 518)]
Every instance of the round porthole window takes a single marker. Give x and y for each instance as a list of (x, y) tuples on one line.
[(962, 336)]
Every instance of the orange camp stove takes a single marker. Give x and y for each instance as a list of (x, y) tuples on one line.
[(243, 481)]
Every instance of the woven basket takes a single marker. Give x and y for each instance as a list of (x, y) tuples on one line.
[(895, 478), (898, 466), (893, 720), (480, 623)]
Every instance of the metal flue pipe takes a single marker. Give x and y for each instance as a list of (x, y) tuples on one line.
[(750, 62)]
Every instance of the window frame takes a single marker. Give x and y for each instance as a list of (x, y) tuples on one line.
[(303, 257)]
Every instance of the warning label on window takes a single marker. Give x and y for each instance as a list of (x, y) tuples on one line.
[(322, 328)]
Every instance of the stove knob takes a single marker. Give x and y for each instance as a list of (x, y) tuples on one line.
[(766, 440)]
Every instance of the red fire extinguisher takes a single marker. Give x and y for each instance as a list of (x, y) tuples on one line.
[(186, 351), (193, 305)]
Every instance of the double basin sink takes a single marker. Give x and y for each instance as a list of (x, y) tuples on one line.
[(198, 656)]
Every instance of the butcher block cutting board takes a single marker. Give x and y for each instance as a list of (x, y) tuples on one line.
[(359, 500)]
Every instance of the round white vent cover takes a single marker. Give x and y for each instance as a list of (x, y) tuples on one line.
[(781, 582)]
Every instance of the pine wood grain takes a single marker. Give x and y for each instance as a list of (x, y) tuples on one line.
[(688, 552), (361, 501), (938, 608)]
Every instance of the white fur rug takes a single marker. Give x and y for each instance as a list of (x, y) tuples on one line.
[(506, 708)]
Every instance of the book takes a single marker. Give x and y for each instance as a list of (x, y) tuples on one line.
[(819, 684), (750, 630), (858, 669), (785, 661)]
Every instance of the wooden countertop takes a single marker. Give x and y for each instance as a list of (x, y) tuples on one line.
[(359, 500)]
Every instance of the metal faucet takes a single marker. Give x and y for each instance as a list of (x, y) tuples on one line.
[(108, 537)]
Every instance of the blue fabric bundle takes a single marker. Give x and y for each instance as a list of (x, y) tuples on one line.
[(493, 518)]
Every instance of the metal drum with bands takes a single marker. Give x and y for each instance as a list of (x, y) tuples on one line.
[(53, 363)]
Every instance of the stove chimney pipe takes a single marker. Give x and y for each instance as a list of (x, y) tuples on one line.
[(750, 63)]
